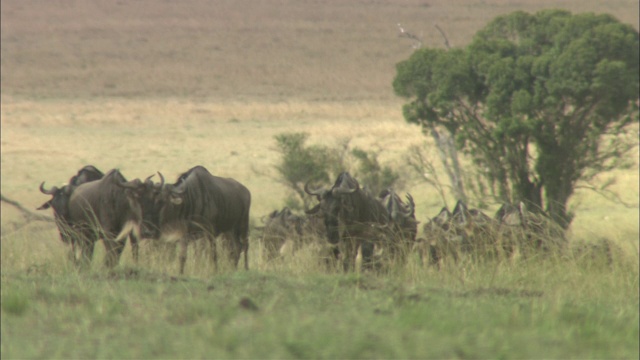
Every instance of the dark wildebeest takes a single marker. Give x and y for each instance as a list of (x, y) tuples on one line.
[(463, 230), (473, 228), (105, 209), (59, 201), (60, 196), (86, 174), (280, 228), (285, 232), (528, 230), (439, 241), (402, 222), (197, 205), (353, 218)]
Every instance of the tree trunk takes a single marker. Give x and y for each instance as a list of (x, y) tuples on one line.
[(449, 159), (557, 199)]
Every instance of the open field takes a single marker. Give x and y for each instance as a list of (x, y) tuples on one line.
[(150, 86)]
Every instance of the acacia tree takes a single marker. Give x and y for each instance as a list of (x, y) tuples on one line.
[(539, 102)]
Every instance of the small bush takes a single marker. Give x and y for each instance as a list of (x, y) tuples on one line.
[(302, 163)]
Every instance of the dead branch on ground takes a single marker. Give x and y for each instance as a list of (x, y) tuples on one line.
[(28, 214)]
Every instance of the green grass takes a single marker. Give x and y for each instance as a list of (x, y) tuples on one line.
[(554, 308)]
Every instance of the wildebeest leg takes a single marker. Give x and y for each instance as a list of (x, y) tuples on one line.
[(184, 242), (350, 253), (134, 246), (245, 242), (113, 251), (86, 244), (236, 246), (243, 237), (71, 255), (367, 254), (214, 250), (69, 237)]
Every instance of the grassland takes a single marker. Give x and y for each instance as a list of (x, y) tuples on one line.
[(152, 86)]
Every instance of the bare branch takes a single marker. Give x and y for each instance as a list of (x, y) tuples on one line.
[(444, 36), (606, 193), (426, 169), (28, 214)]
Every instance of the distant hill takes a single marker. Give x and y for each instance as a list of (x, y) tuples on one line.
[(236, 49)]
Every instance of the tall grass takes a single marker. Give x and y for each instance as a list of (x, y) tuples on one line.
[(296, 307)]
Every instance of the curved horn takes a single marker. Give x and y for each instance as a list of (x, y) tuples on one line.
[(344, 190), (161, 179), (316, 192), (48, 192), (411, 206), (148, 178)]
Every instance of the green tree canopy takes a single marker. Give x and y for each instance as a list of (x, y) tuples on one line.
[(539, 101)]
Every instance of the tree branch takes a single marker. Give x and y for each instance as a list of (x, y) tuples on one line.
[(444, 36), (607, 194), (28, 214)]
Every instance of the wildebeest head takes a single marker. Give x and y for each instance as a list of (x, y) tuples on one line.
[(464, 217), (280, 227), (333, 202), (59, 201), (348, 204), (440, 221), (539, 229), (60, 196), (395, 206), (401, 215), (511, 215), (161, 202), (148, 195), (284, 219)]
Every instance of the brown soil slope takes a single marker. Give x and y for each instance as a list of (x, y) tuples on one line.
[(236, 49)]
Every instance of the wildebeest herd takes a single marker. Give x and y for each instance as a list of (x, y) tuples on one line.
[(95, 206), (362, 230)]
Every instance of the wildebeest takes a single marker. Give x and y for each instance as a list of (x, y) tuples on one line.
[(104, 209), (60, 196), (199, 204), (403, 226), (59, 201), (87, 174), (439, 242), (285, 232), (474, 229), (464, 230), (528, 230), (280, 227), (352, 216)]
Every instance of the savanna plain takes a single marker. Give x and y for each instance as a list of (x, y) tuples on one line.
[(151, 86)]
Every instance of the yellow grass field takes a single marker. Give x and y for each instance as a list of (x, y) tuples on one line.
[(150, 86)]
